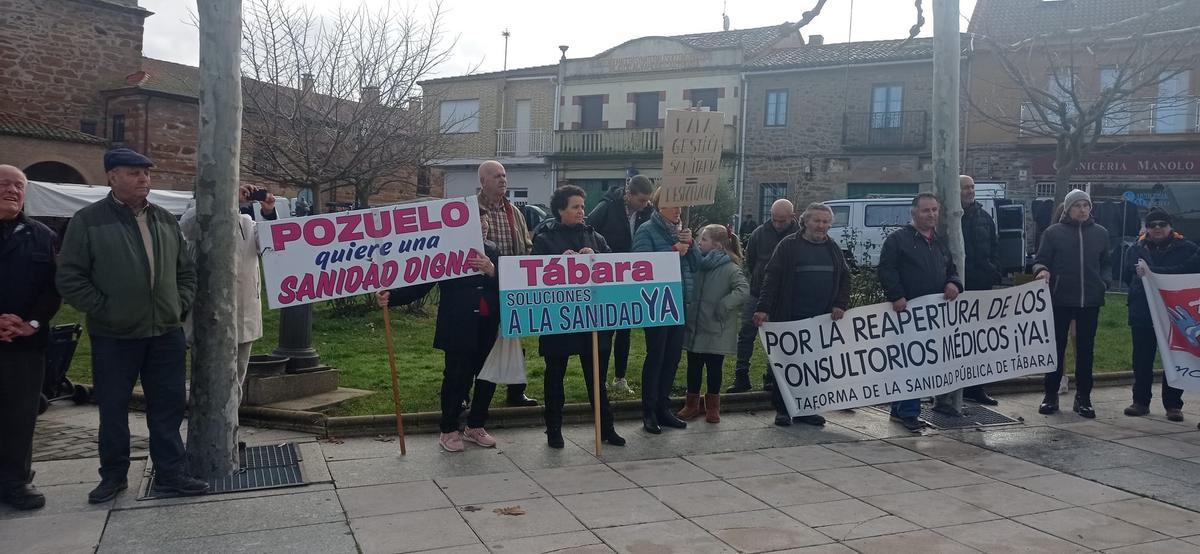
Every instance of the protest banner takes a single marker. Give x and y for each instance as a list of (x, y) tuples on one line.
[(691, 157), (875, 355), (550, 295), (1173, 303), (328, 256), (546, 295)]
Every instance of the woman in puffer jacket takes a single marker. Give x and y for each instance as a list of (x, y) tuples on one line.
[(1074, 259), (664, 345), (568, 234)]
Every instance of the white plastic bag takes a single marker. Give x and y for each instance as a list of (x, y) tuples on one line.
[(505, 364)]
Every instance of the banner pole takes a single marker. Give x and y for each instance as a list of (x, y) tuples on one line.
[(596, 384), (387, 330)]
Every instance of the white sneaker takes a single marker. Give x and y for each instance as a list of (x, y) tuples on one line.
[(621, 385)]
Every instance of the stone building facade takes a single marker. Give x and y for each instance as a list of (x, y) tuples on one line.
[(506, 116), (837, 121)]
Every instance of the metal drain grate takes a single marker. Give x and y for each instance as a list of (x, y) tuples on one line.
[(263, 467), (973, 416)]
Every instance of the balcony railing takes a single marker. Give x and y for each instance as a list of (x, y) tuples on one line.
[(533, 142), (603, 142), (1150, 116), (907, 129)]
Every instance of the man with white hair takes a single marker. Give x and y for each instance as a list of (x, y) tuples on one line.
[(806, 277), (506, 227), (758, 250), (28, 300)]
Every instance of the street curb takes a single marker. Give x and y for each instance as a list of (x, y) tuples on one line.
[(505, 417)]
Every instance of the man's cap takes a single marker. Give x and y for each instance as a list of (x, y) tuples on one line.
[(1158, 214), (118, 157)]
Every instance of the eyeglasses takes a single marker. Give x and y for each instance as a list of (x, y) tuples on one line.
[(1157, 225)]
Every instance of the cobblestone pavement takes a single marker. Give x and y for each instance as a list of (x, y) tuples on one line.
[(53, 440), (861, 484)]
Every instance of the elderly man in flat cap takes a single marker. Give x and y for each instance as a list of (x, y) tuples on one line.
[(124, 264)]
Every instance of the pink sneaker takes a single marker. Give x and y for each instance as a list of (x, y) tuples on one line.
[(479, 436), (451, 442)]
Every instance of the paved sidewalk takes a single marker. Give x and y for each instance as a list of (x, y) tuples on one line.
[(861, 484)]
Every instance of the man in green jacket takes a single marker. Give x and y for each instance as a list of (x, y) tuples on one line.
[(123, 263)]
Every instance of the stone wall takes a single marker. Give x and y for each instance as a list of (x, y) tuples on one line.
[(55, 55), (807, 152), (86, 159)]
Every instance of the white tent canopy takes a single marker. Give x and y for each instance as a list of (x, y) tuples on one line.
[(63, 200)]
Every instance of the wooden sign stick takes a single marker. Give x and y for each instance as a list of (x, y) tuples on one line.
[(387, 330), (596, 384)]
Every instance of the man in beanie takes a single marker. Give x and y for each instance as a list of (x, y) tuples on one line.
[(1074, 260), (124, 264), (1165, 251)]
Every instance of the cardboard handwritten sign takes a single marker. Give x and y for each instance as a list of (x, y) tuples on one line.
[(327, 256), (691, 157)]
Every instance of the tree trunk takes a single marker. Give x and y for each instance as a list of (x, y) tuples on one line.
[(946, 60), (215, 393)]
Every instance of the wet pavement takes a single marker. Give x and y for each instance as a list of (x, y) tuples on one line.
[(861, 484)]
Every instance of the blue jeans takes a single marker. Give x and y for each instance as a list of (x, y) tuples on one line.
[(907, 408), (664, 346), (116, 366)]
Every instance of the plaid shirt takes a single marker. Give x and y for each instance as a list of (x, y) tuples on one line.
[(500, 227)]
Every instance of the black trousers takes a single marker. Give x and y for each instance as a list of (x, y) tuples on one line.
[(664, 346), (21, 375), (620, 353), (116, 366), (1086, 321), (556, 371), (695, 371), (747, 336), (1145, 346), (459, 375)]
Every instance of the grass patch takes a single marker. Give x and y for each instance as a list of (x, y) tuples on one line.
[(355, 345)]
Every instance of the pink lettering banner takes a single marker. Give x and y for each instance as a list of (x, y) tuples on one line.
[(328, 256)]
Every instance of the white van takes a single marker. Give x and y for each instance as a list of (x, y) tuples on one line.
[(860, 226)]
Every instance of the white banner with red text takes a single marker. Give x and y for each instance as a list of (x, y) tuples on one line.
[(1173, 303), (328, 256), (875, 355), (547, 295)]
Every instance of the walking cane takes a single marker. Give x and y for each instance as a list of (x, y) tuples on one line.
[(387, 330), (596, 384)]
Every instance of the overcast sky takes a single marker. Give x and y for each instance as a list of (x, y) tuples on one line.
[(539, 26)]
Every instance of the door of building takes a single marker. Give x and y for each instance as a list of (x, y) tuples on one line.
[(521, 147)]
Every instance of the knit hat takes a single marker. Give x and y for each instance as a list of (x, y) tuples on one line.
[(1075, 196), (1157, 214)]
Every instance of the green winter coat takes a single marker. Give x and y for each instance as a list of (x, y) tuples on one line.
[(712, 316), (103, 271)]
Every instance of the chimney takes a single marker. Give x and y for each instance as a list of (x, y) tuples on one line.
[(369, 95), (816, 40), (306, 82)]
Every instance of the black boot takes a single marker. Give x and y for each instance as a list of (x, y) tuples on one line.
[(554, 438), (1049, 404), (741, 381), (1083, 407), (650, 423), (668, 419), (977, 395), (609, 434)]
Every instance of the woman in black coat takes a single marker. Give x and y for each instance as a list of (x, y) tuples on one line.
[(463, 300), (568, 234)]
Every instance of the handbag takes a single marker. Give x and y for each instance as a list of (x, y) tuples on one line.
[(505, 364)]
